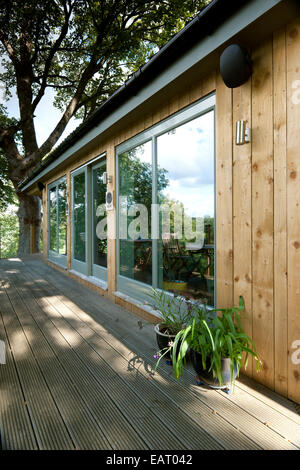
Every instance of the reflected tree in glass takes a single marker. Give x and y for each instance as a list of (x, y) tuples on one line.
[(135, 170), (99, 192), (79, 214), (62, 218), (186, 253), (53, 219)]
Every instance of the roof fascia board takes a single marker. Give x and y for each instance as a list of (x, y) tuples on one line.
[(232, 26)]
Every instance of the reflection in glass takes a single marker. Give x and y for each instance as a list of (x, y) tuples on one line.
[(99, 218), (186, 246), (62, 218), (52, 219), (79, 209), (135, 170)]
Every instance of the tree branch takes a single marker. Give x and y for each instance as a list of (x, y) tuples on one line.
[(51, 55)]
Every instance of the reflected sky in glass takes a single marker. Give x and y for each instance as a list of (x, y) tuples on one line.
[(187, 153)]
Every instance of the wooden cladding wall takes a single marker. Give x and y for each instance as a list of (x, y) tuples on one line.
[(257, 201), (259, 185)]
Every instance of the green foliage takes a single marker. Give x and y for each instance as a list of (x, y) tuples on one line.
[(196, 335), (136, 179), (9, 232), (229, 340), (214, 337), (173, 310), (82, 49), (112, 38), (7, 193)]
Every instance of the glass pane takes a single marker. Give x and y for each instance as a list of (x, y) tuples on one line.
[(52, 220), (99, 218), (79, 229), (62, 218), (185, 158), (135, 199)]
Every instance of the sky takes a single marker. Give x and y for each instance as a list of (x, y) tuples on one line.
[(47, 116), (187, 154)]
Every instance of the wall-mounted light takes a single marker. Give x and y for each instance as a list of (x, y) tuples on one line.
[(235, 66), (243, 133), (106, 178)]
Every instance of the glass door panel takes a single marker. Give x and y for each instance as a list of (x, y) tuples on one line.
[(53, 219), (88, 220), (135, 199), (58, 222), (79, 222), (186, 247), (99, 225), (62, 218)]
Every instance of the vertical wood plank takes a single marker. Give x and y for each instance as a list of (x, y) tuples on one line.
[(262, 209), (148, 120), (293, 204), (173, 105), (242, 207), (224, 247), (184, 98), (164, 110), (196, 91), (209, 83), (280, 214)]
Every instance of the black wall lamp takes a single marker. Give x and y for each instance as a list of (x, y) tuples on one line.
[(41, 186), (235, 66)]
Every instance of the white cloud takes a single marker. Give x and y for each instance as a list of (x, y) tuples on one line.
[(187, 153)]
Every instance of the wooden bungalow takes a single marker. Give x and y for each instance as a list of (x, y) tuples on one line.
[(211, 122)]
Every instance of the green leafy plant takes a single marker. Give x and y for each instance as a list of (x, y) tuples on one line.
[(175, 310), (215, 338), (230, 341), (196, 336)]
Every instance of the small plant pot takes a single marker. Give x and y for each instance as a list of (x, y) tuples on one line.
[(175, 285), (163, 339), (206, 376)]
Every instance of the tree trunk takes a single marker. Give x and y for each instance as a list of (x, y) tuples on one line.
[(29, 214)]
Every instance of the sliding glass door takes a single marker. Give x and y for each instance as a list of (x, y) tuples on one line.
[(135, 199), (99, 227), (88, 221), (79, 221), (57, 245), (166, 207)]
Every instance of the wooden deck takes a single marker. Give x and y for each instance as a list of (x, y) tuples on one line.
[(78, 375)]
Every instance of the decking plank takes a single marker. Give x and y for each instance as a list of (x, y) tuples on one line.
[(238, 416), (135, 411), (47, 423), (16, 432), (140, 395), (98, 349), (244, 410), (76, 425), (74, 391)]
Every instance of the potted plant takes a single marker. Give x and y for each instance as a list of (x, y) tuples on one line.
[(175, 312), (219, 346)]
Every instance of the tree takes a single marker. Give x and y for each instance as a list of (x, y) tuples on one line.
[(82, 49), (8, 233)]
